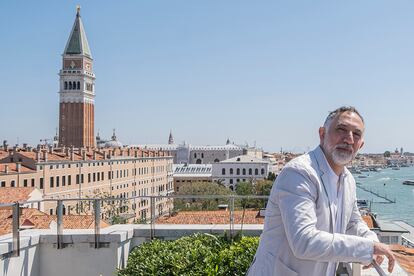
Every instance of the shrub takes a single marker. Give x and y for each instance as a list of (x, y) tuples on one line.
[(199, 254)]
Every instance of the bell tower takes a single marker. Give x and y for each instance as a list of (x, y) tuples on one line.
[(77, 90)]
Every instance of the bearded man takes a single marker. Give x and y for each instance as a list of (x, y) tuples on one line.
[(312, 222)]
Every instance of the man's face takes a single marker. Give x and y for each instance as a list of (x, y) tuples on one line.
[(342, 138)]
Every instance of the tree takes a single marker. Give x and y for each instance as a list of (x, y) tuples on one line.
[(387, 154), (271, 176), (201, 188)]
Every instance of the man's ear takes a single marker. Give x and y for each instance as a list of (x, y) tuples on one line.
[(321, 134)]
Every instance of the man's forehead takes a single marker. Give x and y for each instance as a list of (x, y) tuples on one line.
[(351, 119)]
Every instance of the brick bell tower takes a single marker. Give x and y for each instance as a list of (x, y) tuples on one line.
[(77, 90)]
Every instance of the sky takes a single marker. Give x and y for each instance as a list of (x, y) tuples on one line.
[(256, 72)]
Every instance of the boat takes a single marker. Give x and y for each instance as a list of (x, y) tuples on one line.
[(362, 176), (408, 182), (395, 168)]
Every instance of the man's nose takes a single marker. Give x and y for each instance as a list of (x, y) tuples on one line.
[(349, 138)]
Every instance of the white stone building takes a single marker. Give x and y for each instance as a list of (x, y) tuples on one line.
[(239, 169)]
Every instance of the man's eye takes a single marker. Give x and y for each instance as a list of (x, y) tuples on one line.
[(357, 134)]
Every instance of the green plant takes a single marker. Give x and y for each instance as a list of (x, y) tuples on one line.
[(199, 254)]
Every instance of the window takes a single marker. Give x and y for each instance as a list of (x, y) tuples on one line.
[(82, 178), (238, 171), (41, 183), (77, 179), (3, 184), (223, 171), (33, 182), (89, 177), (51, 182), (70, 85), (69, 180), (195, 155), (263, 171), (25, 183), (57, 181), (256, 171), (231, 181), (102, 176), (50, 211), (250, 171), (66, 85), (202, 155), (94, 177), (244, 171), (231, 170), (78, 85), (63, 180)]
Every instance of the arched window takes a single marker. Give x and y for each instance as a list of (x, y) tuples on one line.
[(263, 171), (74, 85), (231, 170), (250, 171), (231, 181), (223, 171), (66, 85), (70, 85), (238, 171), (198, 161), (78, 86), (216, 160), (202, 155), (244, 171), (256, 171)]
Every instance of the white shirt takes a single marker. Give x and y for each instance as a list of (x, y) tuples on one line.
[(335, 190)]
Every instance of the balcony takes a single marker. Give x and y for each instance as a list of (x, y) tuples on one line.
[(101, 251)]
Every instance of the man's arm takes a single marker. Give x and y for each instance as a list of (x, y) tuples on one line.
[(357, 226), (296, 196)]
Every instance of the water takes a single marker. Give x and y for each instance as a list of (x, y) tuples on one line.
[(403, 209)]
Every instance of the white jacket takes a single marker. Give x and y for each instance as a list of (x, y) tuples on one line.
[(298, 237)]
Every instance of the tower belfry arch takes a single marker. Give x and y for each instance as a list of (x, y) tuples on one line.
[(77, 90)]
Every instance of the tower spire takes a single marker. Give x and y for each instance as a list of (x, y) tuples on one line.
[(170, 138)]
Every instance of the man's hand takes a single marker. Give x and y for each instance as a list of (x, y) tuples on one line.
[(381, 250)]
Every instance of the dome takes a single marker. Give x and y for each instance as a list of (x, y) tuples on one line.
[(113, 143)]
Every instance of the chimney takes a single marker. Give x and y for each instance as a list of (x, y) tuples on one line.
[(45, 155), (94, 155), (5, 145), (18, 166), (37, 156), (66, 151), (6, 169), (72, 154), (121, 152), (129, 151), (84, 154), (50, 149), (29, 148)]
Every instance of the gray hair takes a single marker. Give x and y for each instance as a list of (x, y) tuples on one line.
[(338, 112)]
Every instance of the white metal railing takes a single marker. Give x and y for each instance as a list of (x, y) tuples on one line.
[(355, 270)]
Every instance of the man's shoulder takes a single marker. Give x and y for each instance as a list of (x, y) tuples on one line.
[(302, 161)]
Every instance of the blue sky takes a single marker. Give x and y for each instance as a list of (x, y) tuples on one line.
[(254, 71)]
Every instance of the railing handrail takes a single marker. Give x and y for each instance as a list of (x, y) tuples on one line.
[(96, 211), (138, 197)]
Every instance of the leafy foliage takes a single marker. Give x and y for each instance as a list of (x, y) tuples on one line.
[(199, 254), (201, 188)]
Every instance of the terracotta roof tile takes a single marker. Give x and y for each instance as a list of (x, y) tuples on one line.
[(12, 168), (40, 220), (404, 256), (212, 217), (10, 195), (369, 221)]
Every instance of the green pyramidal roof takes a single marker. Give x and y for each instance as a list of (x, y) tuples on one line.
[(77, 43)]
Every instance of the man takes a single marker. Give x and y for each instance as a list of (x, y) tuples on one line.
[(312, 221)]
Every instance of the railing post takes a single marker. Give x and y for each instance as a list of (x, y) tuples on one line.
[(16, 234), (232, 217), (356, 269), (152, 211), (59, 224), (97, 212)]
